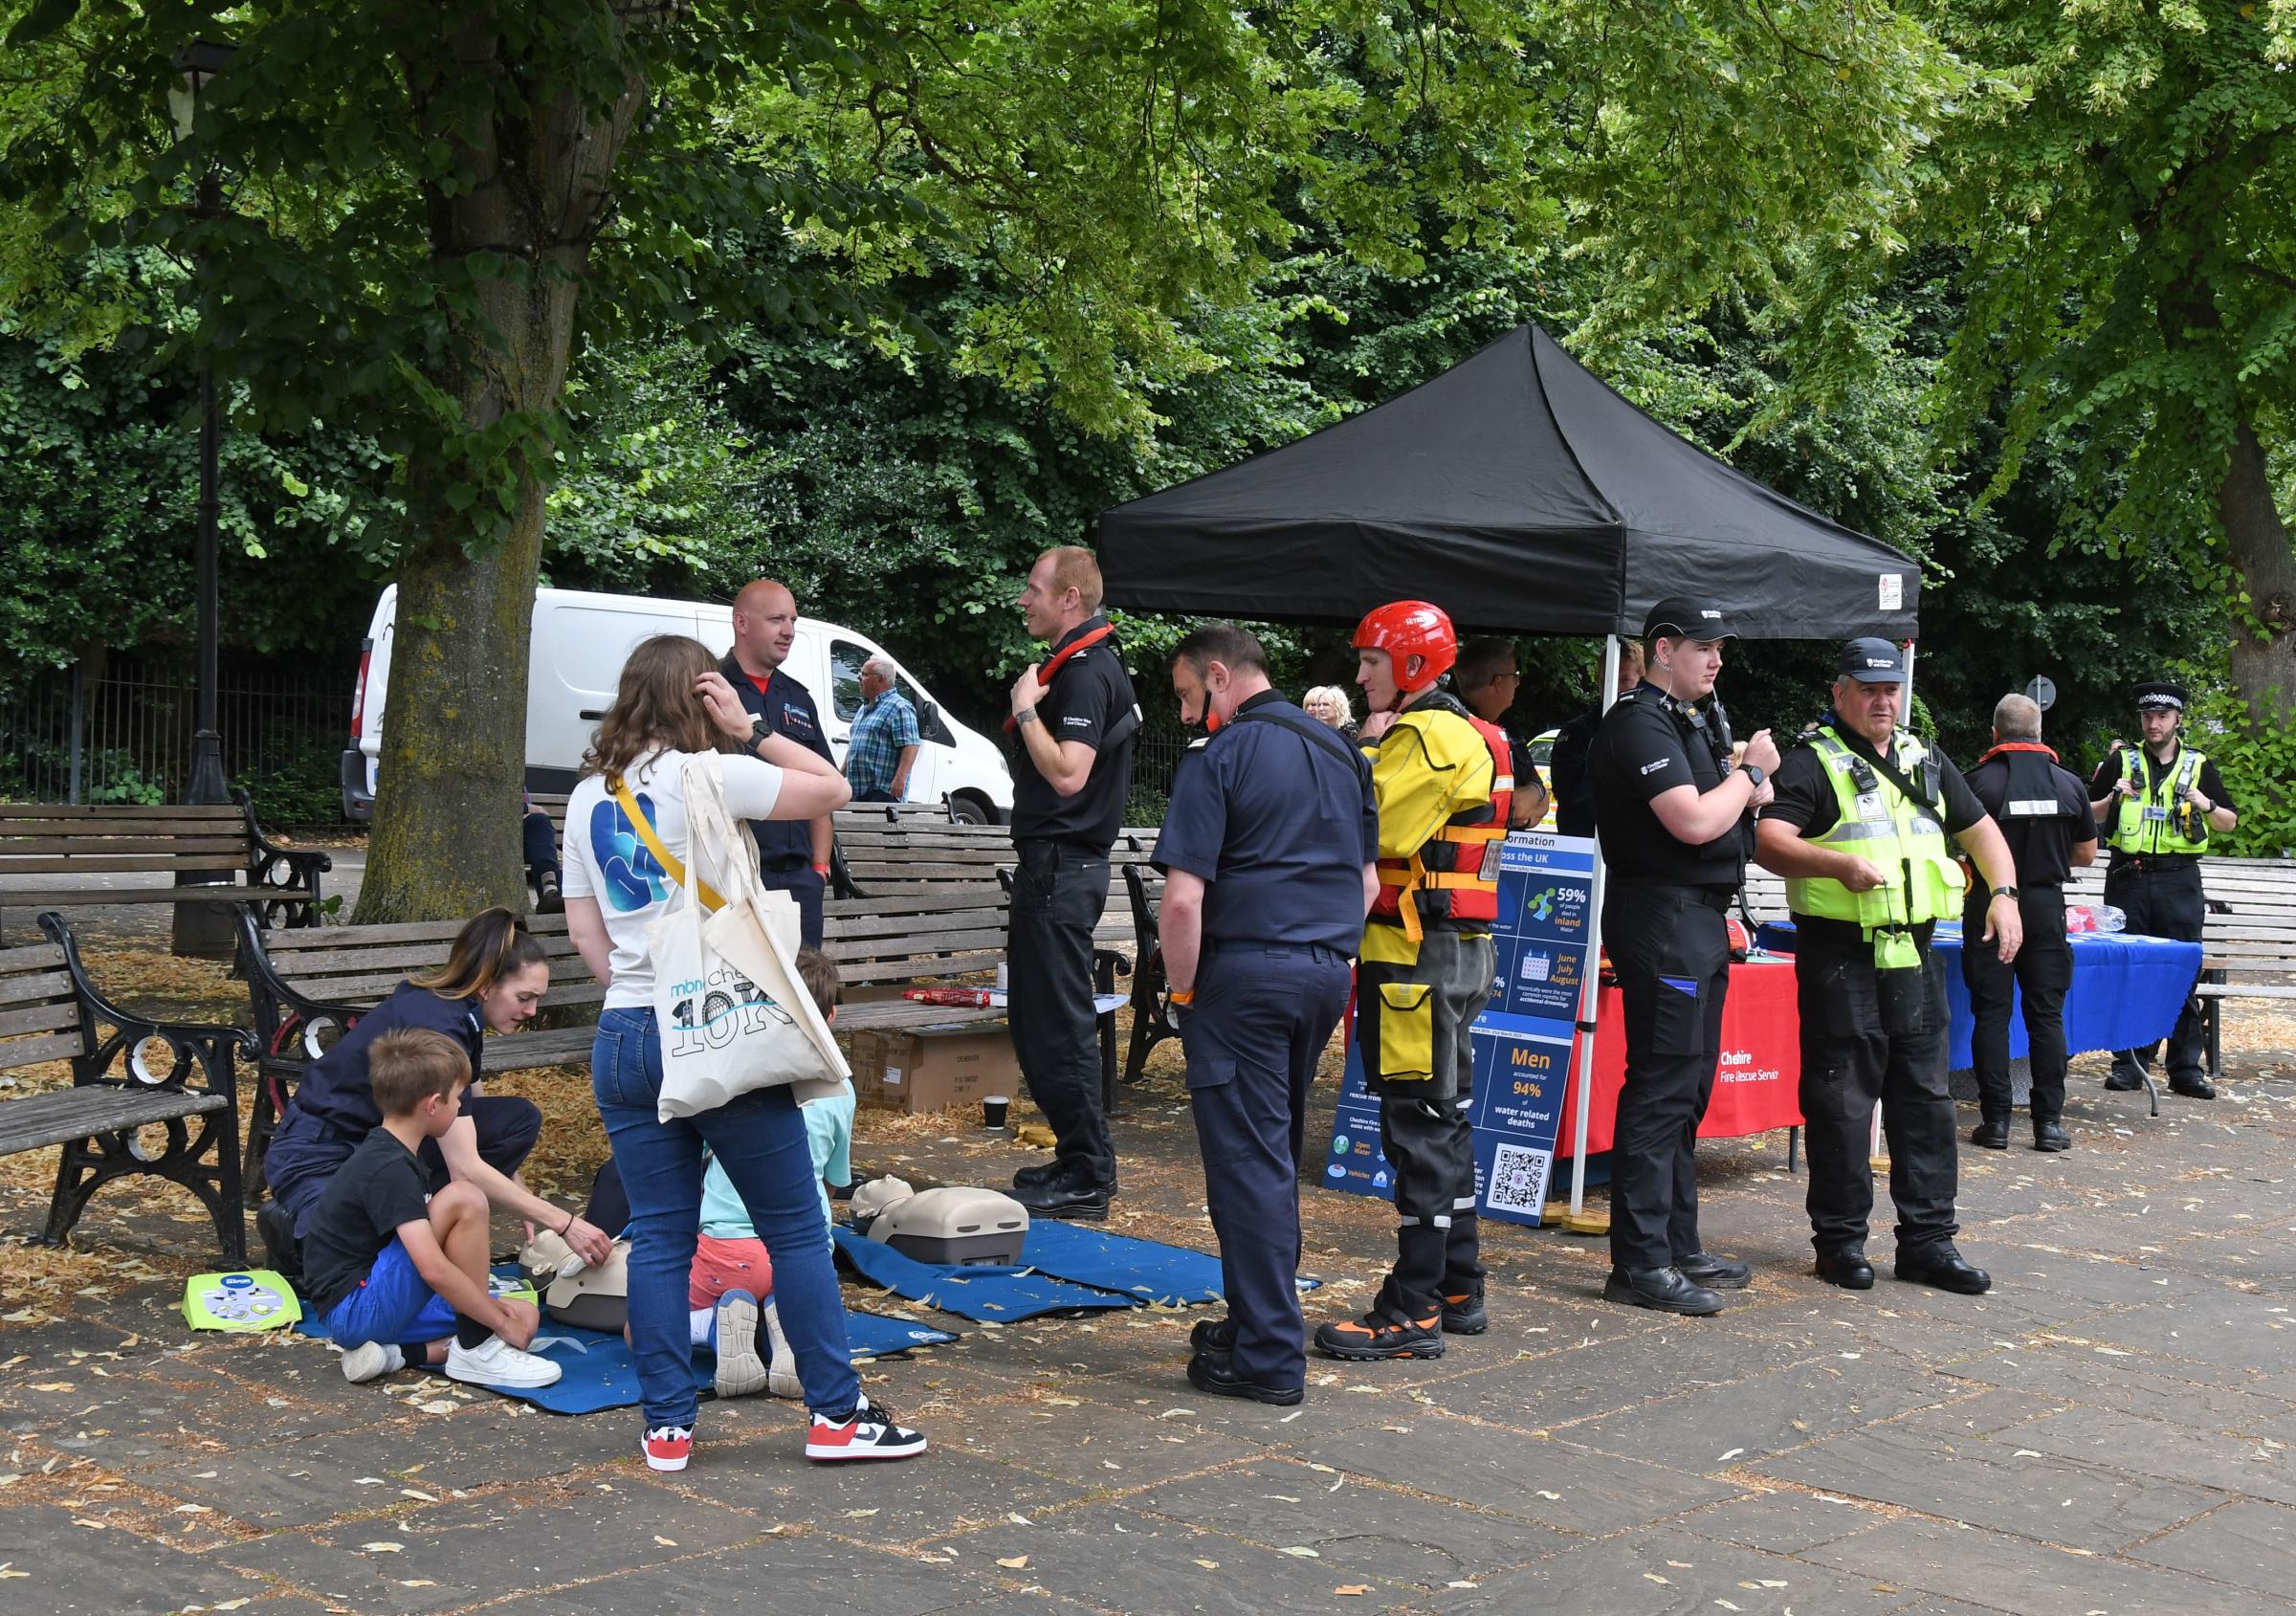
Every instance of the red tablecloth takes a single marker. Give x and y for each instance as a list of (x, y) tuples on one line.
[(1757, 1083)]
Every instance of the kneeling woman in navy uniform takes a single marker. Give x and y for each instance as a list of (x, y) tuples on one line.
[(494, 977)]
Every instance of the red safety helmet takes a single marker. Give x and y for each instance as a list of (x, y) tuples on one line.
[(1408, 629)]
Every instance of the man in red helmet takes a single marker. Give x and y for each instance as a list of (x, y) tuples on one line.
[(1442, 781)]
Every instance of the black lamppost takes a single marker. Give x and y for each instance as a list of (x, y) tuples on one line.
[(203, 928)]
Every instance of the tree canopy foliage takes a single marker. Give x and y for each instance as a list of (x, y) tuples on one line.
[(883, 297)]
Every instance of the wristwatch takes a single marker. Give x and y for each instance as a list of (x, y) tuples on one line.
[(1755, 772), (2006, 891), (758, 730)]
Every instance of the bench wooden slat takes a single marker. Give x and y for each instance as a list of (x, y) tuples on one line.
[(52, 1017), (97, 862), (33, 1051), (11, 845), (35, 985), (65, 1115), (205, 892), (137, 812)]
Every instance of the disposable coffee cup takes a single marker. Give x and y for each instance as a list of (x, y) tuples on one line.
[(992, 1110), (999, 976)]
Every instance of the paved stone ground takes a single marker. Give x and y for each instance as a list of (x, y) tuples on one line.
[(2112, 1430)]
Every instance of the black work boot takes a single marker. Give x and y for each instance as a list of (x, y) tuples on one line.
[(1463, 1313), (1993, 1132)]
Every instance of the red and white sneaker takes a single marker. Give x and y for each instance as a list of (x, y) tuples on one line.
[(868, 1432), (668, 1447)]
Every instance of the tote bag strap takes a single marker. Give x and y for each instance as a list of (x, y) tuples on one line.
[(672, 867)]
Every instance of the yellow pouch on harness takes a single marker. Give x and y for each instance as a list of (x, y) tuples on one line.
[(1406, 1031)]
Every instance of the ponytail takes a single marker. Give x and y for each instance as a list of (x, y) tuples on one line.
[(493, 944)]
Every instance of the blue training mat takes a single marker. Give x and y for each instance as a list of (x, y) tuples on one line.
[(997, 1295), (599, 1372)]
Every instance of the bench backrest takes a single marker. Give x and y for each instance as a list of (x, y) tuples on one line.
[(39, 1015), (884, 941), (50, 839)]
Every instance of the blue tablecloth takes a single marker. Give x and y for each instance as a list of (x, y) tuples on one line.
[(2127, 990)]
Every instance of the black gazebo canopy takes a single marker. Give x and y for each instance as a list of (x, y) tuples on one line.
[(1517, 492)]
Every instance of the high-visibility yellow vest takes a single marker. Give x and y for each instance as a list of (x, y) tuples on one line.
[(2155, 820), (1880, 823)]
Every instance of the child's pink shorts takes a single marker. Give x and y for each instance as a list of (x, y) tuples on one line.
[(720, 1266)]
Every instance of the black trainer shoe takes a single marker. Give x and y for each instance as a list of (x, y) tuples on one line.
[(1213, 1334), (1063, 1198), (550, 900), (2193, 1088), (1848, 1270), (1715, 1274), (1215, 1372), (1463, 1314), (1944, 1269), (1662, 1289), (1375, 1337), (1993, 1132)]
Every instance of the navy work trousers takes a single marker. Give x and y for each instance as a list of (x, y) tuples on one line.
[(1059, 890), (1671, 952), (1264, 1014)]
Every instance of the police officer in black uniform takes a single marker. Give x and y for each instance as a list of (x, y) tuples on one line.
[(1574, 743), (1074, 716), (2156, 805), (2043, 813), (793, 854), (1268, 848), (1677, 824)]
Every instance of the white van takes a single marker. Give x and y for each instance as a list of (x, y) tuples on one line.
[(580, 642)]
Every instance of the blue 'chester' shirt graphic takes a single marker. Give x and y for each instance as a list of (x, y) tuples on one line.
[(632, 877)]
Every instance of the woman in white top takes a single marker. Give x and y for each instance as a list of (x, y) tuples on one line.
[(671, 704)]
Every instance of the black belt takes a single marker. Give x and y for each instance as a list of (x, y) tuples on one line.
[(1024, 845), (1718, 898), (2156, 863), (1269, 944)]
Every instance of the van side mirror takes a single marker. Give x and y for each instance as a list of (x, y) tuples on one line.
[(930, 726)]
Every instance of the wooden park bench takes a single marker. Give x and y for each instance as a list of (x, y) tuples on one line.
[(220, 851), (174, 1075), (306, 987)]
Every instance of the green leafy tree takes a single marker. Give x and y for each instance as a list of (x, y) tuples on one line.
[(431, 207), (2122, 183)]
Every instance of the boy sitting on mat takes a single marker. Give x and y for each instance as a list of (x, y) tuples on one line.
[(731, 1270), (399, 1281)]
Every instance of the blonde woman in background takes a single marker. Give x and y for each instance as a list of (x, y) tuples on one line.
[(1328, 705)]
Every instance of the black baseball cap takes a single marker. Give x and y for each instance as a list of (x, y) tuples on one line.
[(2158, 694), (1873, 661), (1686, 618)]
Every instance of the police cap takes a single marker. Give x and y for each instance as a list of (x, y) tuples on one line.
[(1681, 617), (2156, 695), (1873, 661)]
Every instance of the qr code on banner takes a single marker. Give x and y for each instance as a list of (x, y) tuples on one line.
[(1518, 1179)]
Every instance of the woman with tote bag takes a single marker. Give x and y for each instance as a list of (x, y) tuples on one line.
[(620, 875)]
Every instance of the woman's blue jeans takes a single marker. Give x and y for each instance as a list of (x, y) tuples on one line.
[(760, 1140)]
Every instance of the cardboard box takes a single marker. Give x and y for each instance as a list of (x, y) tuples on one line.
[(912, 1072)]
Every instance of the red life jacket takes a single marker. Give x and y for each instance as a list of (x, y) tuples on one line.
[(1453, 879)]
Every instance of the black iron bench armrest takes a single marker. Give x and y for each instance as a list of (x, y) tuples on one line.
[(198, 1049)]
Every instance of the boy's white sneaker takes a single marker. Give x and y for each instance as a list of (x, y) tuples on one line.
[(740, 1371), (371, 1360), (495, 1362), (781, 1375)]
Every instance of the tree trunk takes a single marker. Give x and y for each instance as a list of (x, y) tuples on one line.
[(446, 840), (2263, 669)]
